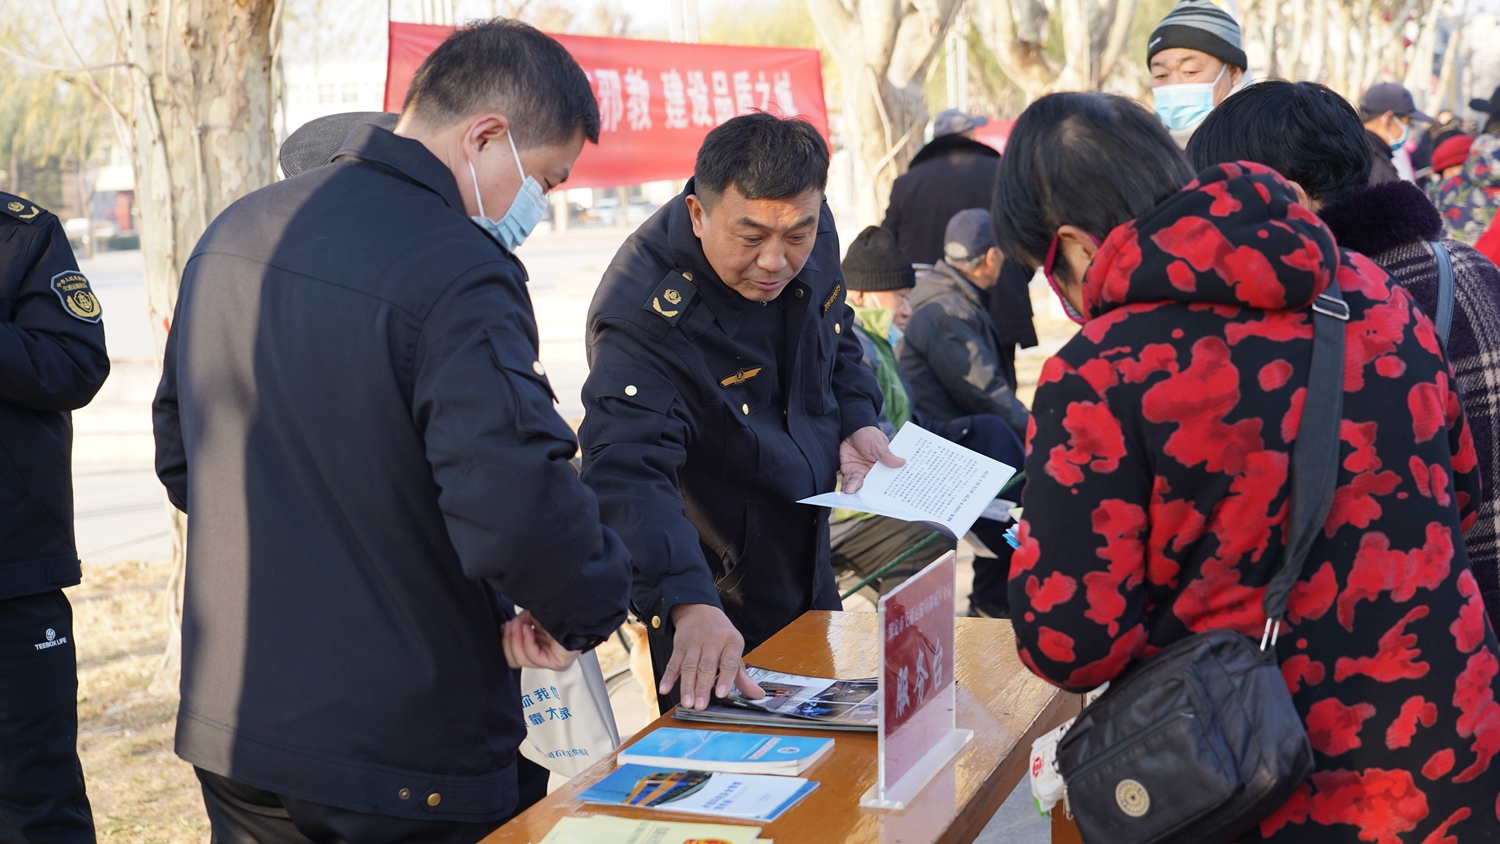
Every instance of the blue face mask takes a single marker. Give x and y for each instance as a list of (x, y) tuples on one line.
[(893, 335), (1185, 105), (526, 210), (1405, 136)]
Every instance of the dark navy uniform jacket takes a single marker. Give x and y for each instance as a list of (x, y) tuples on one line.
[(354, 419), (52, 361), (708, 415)]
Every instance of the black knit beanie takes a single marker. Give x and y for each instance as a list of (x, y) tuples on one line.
[(875, 262), (1202, 26)]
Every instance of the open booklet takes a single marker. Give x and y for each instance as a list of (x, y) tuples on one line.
[(795, 701), (943, 485)]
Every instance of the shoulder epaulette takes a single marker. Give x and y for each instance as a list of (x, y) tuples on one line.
[(21, 209), (671, 297)]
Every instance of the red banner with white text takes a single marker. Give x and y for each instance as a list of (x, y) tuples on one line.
[(657, 99)]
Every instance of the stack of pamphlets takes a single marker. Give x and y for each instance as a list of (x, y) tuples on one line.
[(729, 753), (603, 829), (792, 700), (746, 796)]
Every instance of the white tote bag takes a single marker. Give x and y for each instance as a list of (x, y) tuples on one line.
[(569, 722)]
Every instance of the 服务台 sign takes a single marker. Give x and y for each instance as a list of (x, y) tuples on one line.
[(657, 99)]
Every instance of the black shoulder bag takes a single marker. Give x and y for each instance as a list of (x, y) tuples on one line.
[(1201, 741)]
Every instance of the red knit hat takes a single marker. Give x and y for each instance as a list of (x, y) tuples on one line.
[(1451, 153)]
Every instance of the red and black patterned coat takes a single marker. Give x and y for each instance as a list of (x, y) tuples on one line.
[(1157, 497)]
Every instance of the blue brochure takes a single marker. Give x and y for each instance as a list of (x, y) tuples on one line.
[(731, 753), (745, 796)]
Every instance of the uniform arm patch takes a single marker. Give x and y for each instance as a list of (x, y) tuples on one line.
[(72, 289)]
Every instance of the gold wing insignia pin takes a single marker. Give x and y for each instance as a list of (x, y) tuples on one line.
[(740, 377)]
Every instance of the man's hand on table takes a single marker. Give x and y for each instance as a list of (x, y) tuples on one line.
[(705, 648), (859, 453), (528, 645)]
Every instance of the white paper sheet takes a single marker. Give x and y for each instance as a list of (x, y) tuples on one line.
[(943, 484)]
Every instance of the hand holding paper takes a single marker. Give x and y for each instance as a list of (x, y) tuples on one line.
[(862, 451), (940, 484)]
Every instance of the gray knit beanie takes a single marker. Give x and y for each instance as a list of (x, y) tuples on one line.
[(1199, 25)]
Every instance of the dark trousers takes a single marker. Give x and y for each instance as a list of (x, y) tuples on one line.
[(992, 437), (244, 814), (42, 799)]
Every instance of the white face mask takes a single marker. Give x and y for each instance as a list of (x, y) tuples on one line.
[(1184, 106), (526, 210)]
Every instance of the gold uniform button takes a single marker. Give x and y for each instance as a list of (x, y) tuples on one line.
[(745, 409), (404, 794), (687, 276), (536, 366), (630, 390), (798, 292), (656, 621), (434, 798), (838, 329)]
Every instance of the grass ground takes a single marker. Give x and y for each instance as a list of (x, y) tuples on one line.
[(140, 791)]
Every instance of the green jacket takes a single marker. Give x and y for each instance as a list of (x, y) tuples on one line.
[(874, 325)]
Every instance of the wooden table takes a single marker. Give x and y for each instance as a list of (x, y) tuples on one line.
[(1002, 702)]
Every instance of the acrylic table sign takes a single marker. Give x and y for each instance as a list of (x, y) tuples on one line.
[(917, 737)]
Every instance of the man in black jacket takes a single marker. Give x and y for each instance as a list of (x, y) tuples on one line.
[(353, 415), (52, 361), (951, 173), (725, 384), (951, 355)]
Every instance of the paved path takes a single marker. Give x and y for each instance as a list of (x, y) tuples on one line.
[(120, 507)]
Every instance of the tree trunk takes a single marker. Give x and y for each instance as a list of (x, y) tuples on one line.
[(1015, 33), (1317, 58), (883, 49), (1338, 72), (1419, 72), (201, 117), (1447, 97)]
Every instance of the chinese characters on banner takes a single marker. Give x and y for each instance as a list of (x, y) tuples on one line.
[(917, 634), (656, 99)]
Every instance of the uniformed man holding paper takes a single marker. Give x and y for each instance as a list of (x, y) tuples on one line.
[(726, 384)]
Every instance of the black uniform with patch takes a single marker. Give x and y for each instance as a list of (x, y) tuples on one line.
[(707, 417), (52, 361)]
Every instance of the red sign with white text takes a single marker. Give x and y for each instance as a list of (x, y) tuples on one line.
[(657, 99), (917, 632)]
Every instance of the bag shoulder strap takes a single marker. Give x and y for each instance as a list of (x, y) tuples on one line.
[(1444, 317), (1315, 454)]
